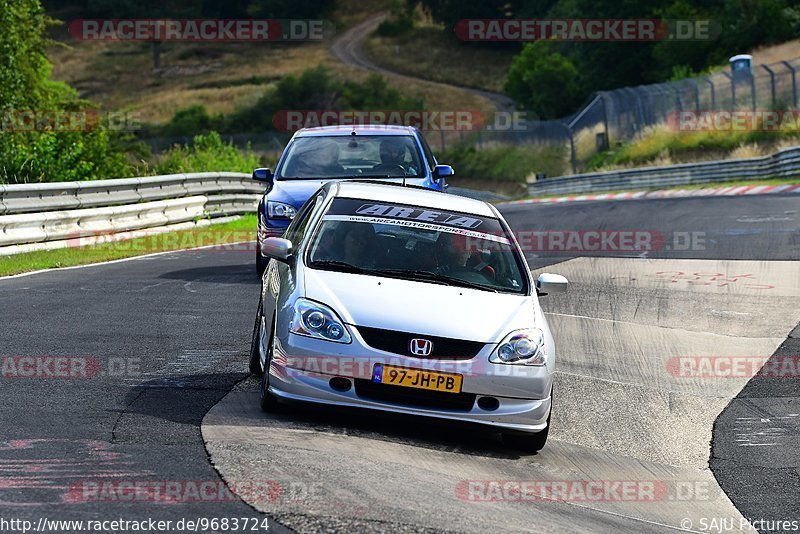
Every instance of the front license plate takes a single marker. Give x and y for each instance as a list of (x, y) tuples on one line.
[(416, 378)]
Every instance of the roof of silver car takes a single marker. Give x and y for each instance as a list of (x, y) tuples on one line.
[(371, 129), (413, 196)]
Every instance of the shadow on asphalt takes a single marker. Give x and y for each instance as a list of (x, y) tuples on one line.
[(233, 274)]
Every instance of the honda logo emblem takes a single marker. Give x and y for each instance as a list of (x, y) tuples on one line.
[(421, 347)]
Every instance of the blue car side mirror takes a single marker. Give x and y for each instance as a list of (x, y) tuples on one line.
[(263, 174), (442, 171)]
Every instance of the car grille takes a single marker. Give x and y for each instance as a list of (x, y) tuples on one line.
[(398, 343), (414, 397)]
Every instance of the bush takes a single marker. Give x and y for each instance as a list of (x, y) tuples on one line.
[(400, 20), (193, 120), (61, 157), (208, 153)]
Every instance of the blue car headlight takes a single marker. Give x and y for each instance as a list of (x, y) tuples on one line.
[(279, 210), (522, 347), (316, 320)]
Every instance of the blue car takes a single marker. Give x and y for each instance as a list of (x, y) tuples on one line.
[(315, 156)]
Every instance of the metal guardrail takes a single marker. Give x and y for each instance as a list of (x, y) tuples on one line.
[(785, 163), (38, 213), (26, 198)]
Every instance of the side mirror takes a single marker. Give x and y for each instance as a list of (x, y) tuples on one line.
[(263, 174), (442, 171), (277, 248), (551, 283)]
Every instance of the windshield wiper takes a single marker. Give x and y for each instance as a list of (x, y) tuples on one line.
[(338, 266), (430, 276)]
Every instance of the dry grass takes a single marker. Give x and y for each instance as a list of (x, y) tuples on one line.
[(433, 53), (119, 76), (772, 54)]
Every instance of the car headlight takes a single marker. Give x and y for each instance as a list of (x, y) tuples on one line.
[(279, 210), (523, 347), (317, 320)]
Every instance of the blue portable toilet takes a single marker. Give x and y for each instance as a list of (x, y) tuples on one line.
[(741, 65)]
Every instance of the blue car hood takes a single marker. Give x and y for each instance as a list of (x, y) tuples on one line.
[(296, 192)]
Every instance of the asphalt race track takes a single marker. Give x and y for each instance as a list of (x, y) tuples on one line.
[(167, 401)]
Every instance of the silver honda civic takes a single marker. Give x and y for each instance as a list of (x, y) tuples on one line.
[(406, 300)]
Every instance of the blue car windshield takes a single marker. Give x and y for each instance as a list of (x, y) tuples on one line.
[(361, 156)]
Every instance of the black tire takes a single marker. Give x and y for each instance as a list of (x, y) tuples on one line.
[(255, 357), (529, 442), (261, 262), (267, 401)]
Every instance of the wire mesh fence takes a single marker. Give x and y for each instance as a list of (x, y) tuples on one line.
[(616, 116)]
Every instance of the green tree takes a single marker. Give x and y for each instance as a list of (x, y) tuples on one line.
[(25, 69), (544, 82), (25, 85)]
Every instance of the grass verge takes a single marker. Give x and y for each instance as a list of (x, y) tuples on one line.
[(659, 145), (145, 242)]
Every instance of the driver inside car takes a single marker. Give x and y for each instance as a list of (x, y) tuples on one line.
[(455, 252), (392, 152)]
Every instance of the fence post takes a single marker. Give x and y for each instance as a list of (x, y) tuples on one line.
[(605, 118), (733, 90), (696, 88), (753, 90), (572, 157), (713, 93), (678, 100), (771, 85), (794, 82)]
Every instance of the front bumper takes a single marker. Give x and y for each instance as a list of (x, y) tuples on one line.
[(302, 367)]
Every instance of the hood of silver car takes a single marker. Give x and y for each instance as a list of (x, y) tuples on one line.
[(421, 308)]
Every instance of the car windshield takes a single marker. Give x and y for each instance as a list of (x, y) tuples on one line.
[(423, 244), (362, 156)]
